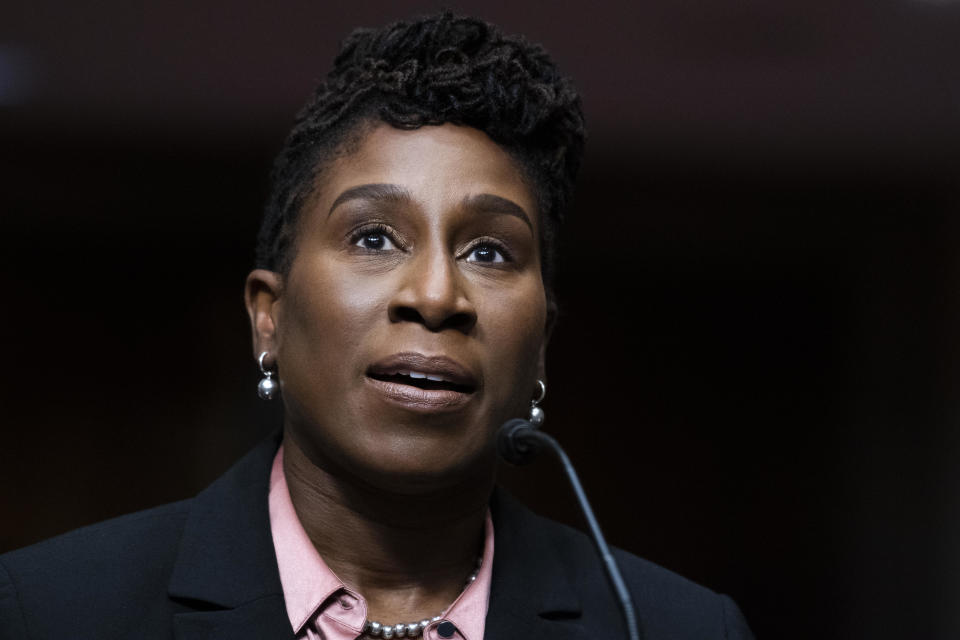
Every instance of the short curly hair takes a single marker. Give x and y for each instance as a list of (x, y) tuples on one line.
[(437, 69)]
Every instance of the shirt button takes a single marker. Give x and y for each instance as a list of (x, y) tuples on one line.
[(446, 629)]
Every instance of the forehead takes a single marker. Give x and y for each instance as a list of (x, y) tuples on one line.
[(437, 165)]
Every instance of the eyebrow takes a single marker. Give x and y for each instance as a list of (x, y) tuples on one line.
[(487, 202), (395, 194), (377, 192)]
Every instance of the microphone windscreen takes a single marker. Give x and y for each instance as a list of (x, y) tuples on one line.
[(514, 444)]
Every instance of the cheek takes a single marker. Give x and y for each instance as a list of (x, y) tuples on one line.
[(515, 333), (328, 313)]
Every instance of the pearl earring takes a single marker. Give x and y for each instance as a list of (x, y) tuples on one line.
[(268, 386), (536, 415)]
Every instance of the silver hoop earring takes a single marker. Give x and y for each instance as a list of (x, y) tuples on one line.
[(267, 388), (536, 416)]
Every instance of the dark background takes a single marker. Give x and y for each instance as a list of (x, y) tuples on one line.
[(756, 365)]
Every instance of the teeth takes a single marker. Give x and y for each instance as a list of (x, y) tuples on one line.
[(422, 376)]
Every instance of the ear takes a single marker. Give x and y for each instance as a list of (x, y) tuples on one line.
[(552, 311), (261, 296)]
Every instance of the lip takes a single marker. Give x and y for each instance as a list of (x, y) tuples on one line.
[(416, 398)]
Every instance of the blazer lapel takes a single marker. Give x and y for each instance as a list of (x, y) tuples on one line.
[(264, 619), (225, 575), (530, 595), (226, 580)]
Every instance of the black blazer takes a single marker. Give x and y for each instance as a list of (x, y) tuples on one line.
[(206, 568)]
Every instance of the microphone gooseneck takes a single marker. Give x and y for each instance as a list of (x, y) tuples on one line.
[(518, 442)]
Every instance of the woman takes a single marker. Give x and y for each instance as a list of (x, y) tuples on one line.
[(400, 311)]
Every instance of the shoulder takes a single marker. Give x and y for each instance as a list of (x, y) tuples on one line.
[(667, 604), (129, 577), (83, 574), (666, 597)]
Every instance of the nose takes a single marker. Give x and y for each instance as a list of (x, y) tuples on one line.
[(433, 293)]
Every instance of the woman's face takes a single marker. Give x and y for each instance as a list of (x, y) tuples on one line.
[(412, 322)]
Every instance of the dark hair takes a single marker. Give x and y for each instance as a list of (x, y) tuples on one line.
[(435, 70)]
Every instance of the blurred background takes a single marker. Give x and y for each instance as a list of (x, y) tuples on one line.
[(756, 366)]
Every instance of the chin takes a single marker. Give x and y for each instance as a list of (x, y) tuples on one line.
[(420, 466)]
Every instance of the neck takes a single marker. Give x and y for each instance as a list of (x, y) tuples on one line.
[(407, 555)]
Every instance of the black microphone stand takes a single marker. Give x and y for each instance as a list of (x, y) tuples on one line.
[(517, 444)]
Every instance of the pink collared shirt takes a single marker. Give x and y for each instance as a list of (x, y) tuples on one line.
[(321, 607)]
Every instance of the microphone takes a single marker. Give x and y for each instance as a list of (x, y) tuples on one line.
[(518, 442), (514, 444)]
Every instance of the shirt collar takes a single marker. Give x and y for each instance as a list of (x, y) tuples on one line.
[(468, 612), (306, 579)]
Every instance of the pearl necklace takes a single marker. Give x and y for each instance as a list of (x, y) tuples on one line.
[(375, 629)]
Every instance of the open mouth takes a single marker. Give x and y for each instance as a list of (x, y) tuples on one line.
[(421, 382), (427, 382)]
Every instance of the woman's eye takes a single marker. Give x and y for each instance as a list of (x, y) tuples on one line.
[(485, 253), (375, 240)]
